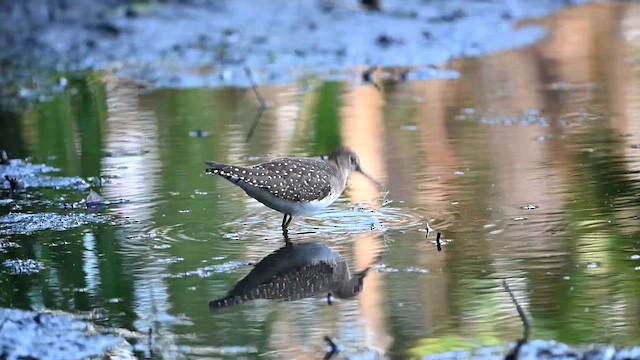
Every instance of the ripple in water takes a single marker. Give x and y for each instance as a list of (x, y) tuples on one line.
[(356, 219)]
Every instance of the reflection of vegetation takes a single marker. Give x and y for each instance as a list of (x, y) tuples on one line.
[(601, 234), (328, 118), (67, 132)]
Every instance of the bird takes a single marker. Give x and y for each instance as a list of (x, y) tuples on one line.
[(294, 185), (295, 272)]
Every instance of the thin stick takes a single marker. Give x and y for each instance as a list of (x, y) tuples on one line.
[(150, 341), (254, 125), (438, 244), (525, 322), (254, 86), (334, 348)]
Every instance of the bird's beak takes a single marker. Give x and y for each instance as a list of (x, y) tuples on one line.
[(378, 184)]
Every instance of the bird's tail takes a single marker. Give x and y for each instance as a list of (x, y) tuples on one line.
[(214, 167)]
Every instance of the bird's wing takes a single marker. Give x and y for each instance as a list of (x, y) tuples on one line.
[(289, 179), (299, 179)]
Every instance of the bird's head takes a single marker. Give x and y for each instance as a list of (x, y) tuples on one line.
[(349, 162)]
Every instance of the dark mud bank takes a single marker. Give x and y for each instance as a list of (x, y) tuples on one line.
[(208, 43)]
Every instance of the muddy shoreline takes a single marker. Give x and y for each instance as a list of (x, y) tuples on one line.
[(208, 44)]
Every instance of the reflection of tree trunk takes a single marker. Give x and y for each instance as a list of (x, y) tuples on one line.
[(363, 131), (367, 249)]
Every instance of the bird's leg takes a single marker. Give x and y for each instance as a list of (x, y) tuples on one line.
[(286, 220), (286, 226)]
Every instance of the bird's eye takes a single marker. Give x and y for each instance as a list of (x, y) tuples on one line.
[(353, 159)]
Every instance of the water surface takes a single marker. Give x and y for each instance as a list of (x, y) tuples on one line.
[(528, 164)]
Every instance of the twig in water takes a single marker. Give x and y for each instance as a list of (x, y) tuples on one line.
[(254, 86), (14, 183), (438, 244), (429, 230), (254, 125), (334, 348), (150, 342), (513, 354)]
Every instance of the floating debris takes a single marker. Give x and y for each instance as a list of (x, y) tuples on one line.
[(458, 173), (330, 299), (19, 223), (384, 268), (519, 218), (593, 265), (438, 244), (427, 229), (569, 86), (171, 260), (23, 267), (529, 207), (198, 133), (409, 128), (529, 117), (635, 257)]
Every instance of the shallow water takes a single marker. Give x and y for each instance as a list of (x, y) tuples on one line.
[(528, 164)]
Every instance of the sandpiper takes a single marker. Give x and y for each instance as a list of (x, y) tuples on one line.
[(294, 186)]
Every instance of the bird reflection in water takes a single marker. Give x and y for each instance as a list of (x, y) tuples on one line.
[(295, 272)]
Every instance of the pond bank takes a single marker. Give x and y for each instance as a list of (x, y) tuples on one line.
[(209, 43)]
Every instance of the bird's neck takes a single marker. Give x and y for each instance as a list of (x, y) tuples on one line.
[(343, 173)]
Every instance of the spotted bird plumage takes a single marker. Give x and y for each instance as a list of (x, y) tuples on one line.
[(293, 186)]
